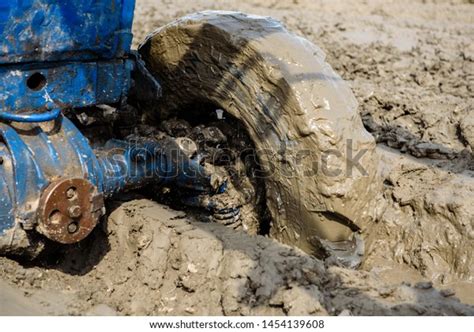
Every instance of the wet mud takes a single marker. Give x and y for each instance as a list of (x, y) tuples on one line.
[(409, 65), (149, 259)]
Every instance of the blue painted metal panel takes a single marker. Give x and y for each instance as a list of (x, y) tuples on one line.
[(7, 190), (70, 84), (64, 30)]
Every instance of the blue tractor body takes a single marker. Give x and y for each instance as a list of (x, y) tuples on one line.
[(59, 55), (64, 30)]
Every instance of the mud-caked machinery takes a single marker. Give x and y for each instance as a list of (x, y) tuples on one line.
[(83, 118)]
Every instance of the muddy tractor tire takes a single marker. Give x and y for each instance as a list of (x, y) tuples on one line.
[(319, 161)]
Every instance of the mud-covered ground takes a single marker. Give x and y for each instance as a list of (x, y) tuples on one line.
[(411, 67)]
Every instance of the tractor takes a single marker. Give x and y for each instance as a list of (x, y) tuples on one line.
[(223, 113)]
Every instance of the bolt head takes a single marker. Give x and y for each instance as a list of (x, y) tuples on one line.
[(72, 227), (71, 193), (75, 211)]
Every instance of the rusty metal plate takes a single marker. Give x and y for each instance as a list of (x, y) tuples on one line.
[(69, 209)]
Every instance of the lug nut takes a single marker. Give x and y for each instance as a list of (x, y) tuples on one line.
[(74, 211), (72, 227), (71, 193)]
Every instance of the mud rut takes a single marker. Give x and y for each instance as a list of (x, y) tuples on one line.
[(149, 259)]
